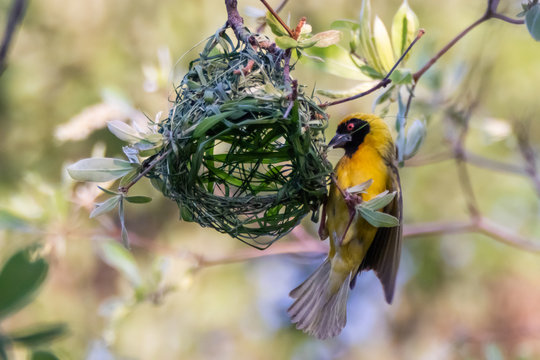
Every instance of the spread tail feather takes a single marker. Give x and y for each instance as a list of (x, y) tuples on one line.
[(316, 310)]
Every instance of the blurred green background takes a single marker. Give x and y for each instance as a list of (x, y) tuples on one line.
[(76, 65)]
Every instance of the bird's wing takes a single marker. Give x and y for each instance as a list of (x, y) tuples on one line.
[(384, 253)]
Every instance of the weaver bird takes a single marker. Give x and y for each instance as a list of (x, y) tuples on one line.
[(355, 245)]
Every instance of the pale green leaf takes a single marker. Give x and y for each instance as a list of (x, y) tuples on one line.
[(415, 138), (99, 169), (360, 188), (123, 131), (404, 28), (327, 38), (105, 206), (286, 42), (367, 46), (339, 94), (377, 218), (118, 257), (379, 201), (383, 45), (336, 61), (345, 25), (275, 26)]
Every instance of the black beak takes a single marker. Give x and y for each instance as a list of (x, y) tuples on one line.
[(339, 140)]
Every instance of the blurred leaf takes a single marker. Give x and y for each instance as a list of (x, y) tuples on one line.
[(344, 25), (118, 257), (384, 96), (286, 42), (3, 354), (401, 76), (404, 28), (39, 335), (493, 352), (327, 38), (415, 138), (338, 94), (125, 237), (377, 218), (379, 201), (532, 19), (99, 169), (20, 278), (43, 355), (138, 199), (371, 72), (123, 131), (367, 47), (9, 221), (336, 61), (383, 45), (275, 26), (105, 206)]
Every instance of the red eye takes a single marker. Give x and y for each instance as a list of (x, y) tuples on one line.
[(350, 127)]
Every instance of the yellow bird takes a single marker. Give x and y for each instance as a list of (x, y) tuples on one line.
[(320, 308)]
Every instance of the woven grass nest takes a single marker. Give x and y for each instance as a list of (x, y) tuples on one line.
[(246, 155)]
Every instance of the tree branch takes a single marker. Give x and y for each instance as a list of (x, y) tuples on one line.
[(16, 15), (235, 21)]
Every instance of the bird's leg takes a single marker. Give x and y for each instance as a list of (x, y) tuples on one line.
[(352, 200), (323, 234)]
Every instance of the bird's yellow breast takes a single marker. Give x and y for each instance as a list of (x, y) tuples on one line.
[(366, 163)]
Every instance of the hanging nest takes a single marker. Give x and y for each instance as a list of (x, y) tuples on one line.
[(246, 150)]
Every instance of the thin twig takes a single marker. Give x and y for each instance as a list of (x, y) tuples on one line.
[(278, 18), (124, 189), (278, 10), (16, 15), (235, 21), (384, 82), (522, 133)]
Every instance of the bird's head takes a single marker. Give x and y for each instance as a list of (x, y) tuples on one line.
[(357, 129)]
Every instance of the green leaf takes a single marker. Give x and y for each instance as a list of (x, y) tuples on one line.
[(20, 278), (39, 335), (532, 20), (377, 218), (401, 76), (126, 179), (43, 355), (105, 206), (383, 97), (207, 123), (138, 199), (404, 28), (3, 354), (367, 47), (326, 38), (10, 221), (123, 131), (336, 61), (286, 42), (415, 138), (118, 257), (345, 25), (99, 169), (274, 25), (107, 191), (371, 72), (383, 45), (379, 201)]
